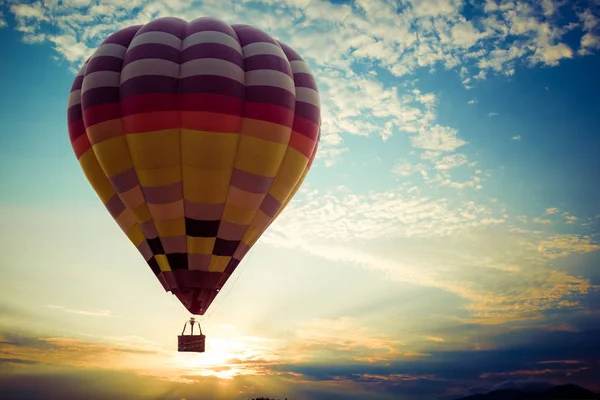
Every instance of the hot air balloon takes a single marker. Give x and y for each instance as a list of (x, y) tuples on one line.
[(195, 136)]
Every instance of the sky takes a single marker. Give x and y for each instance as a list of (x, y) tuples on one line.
[(444, 243)]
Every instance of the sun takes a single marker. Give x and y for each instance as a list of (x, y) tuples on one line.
[(224, 358)]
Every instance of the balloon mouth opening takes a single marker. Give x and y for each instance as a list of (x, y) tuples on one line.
[(191, 301)]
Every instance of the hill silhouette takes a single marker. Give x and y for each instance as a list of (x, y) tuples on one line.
[(562, 392)]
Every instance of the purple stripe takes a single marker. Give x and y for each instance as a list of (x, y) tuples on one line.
[(209, 24), (174, 26), (124, 181), (124, 36), (212, 50), (146, 251), (104, 63), (290, 53), (231, 266), (308, 111), (199, 261), (271, 95), (174, 244), (213, 84), (267, 61), (98, 96), (163, 194), (241, 251), (163, 282), (77, 82), (250, 182), (74, 114), (115, 206), (270, 205), (248, 34), (305, 80), (152, 50), (149, 229), (149, 84), (203, 212), (230, 231)]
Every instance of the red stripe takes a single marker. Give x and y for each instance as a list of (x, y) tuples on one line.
[(149, 102), (212, 122), (76, 129), (101, 113), (186, 102), (217, 103), (306, 127), (301, 143), (81, 145), (148, 122), (270, 113), (197, 120)]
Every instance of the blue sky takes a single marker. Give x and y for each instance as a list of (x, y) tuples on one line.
[(451, 215)]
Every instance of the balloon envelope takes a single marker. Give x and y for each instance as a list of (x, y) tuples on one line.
[(195, 135)]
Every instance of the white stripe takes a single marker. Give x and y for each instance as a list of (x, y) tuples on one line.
[(211, 37), (110, 49), (300, 67), (74, 98), (269, 77), (150, 66), (156, 37), (100, 79), (212, 66), (258, 48), (308, 95)]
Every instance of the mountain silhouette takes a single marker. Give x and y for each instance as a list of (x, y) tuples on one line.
[(562, 392)]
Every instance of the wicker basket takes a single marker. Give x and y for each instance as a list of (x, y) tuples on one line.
[(191, 343)]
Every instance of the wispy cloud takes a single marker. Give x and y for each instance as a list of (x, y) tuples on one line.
[(96, 313), (435, 339)]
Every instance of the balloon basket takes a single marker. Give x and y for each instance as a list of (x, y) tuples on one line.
[(191, 343)]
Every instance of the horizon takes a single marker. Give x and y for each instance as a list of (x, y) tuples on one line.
[(444, 243)]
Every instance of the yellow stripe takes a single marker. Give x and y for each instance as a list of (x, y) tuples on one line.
[(218, 263), (205, 186), (208, 150), (152, 150), (198, 245), (159, 176), (113, 156), (173, 227), (238, 215), (292, 167), (292, 194), (142, 213), (136, 235), (162, 261), (259, 157), (94, 174)]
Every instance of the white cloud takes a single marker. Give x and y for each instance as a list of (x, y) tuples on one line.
[(34, 11), (516, 138), (437, 138)]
